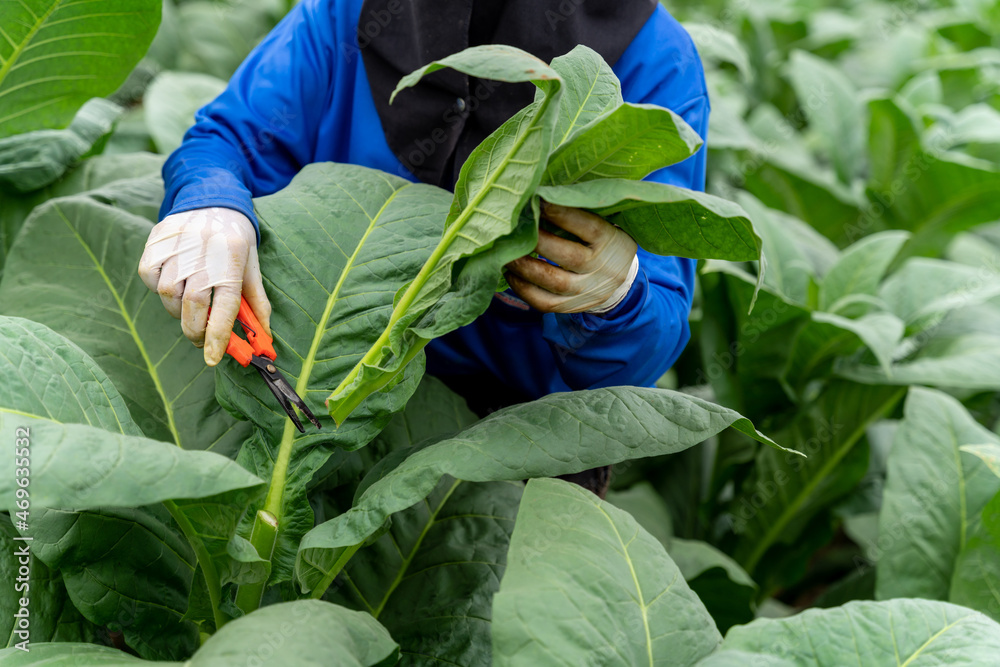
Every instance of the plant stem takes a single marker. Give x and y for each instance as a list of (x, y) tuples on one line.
[(355, 398), (204, 559), (263, 538), (452, 231), (338, 566)]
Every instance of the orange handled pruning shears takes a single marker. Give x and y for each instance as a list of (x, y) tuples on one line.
[(258, 351)]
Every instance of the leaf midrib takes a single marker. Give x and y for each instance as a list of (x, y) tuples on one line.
[(929, 641), (579, 110), (416, 547), (635, 580), (150, 366), (276, 491), (19, 49), (791, 508)]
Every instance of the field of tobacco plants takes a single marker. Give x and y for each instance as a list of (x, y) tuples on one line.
[(816, 482)]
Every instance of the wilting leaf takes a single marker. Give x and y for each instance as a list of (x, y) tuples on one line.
[(585, 582)]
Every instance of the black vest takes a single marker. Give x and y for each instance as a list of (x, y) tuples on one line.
[(433, 127)]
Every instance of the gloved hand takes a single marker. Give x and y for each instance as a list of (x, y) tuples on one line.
[(200, 258), (593, 276)]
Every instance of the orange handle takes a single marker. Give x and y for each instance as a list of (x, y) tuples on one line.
[(239, 350), (257, 342)]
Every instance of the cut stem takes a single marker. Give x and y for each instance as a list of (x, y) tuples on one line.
[(263, 537)]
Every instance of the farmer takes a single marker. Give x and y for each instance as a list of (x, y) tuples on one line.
[(317, 89)]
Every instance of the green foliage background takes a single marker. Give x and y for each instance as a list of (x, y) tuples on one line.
[(862, 139)]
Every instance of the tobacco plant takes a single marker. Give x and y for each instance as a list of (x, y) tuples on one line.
[(175, 513)]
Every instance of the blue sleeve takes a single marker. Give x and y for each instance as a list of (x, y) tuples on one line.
[(641, 338), (261, 130)]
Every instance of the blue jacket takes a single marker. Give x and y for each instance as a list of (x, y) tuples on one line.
[(302, 97)]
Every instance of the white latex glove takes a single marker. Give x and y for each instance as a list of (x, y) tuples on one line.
[(593, 276), (203, 258)]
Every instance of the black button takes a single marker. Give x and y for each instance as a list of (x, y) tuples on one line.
[(460, 105)]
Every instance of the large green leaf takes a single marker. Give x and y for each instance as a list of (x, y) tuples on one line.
[(57, 54), (797, 255), (585, 583), (73, 268), (128, 569), (975, 582), (725, 589), (746, 351), (455, 541), (35, 159), (74, 655), (934, 496), (432, 412), (969, 361), (51, 381), (818, 344), (171, 101), (630, 142), (431, 578), (831, 103), (934, 196), (665, 219), (215, 37), (591, 90), (94, 173), (304, 632), (456, 283), (51, 614), (83, 467), (337, 244), (915, 633), (923, 290), (558, 434), (783, 493), (859, 271), (48, 377), (809, 193)]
